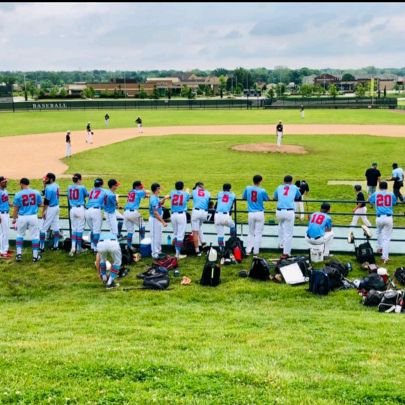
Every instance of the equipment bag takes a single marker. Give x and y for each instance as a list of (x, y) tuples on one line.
[(364, 253), (373, 298), (319, 283), (340, 267), (159, 281), (302, 261), (235, 246), (260, 269), (400, 275), (390, 299), (127, 255), (188, 245), (211, 274), (372, 282), (169, 262)]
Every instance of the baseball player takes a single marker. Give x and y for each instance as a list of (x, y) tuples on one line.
[(68, 145), (4, 219), (77, 194), (155, 219), (179, 199), (107, 119), (360, 210), (50, 213), (108, 245), (373, 176), (302, 111), (384, 202), (279, 133), (299, 205), (94, 218), (398, 178), (110, 206), (199, 214), (89, 133), (255, 196), (319, 229), (26, 205), (225, 200), (286, 194), (132, 216), (139, 124)]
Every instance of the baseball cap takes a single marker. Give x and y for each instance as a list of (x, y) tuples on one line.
[(374, 164), (2, 178)]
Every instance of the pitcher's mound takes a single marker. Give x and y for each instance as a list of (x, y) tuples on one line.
[(270, 148)]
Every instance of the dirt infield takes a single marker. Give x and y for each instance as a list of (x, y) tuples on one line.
[(34, 155), (270, 148)]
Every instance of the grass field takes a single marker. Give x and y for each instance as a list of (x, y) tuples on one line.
[(65, 340), (52, 121)]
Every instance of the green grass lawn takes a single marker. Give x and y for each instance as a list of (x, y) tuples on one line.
[(51, 121)]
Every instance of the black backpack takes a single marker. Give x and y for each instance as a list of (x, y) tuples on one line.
[(211, 274), (372, 282), (233, 244), (400, 275), (390, 299), (260, 269), (188, 245), (335, 277), (158, 281), (340, 267), (319, 283), (364, 253), (373, 298), (127, 255)]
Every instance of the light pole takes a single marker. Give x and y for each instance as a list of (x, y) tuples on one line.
[(25, 89), (125, 86)]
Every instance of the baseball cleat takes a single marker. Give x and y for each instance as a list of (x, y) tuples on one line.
[(367, 232), (112, 286), (18, 258)]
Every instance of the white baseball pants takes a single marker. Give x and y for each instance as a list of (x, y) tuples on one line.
[(279, 138), (111, 247), (68, 149), (179, 223), (198, 217), (325, 239), (132, 218), (77, 219), (4, 227), (285, 220), (384, 232), (256, 226), (299, 209), (155, 227), (51, 219), (30, 222), (112, 222), (94, 219), (360, 213), (222, 220)]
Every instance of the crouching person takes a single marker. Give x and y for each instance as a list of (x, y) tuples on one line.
[(108, 245), (319, 229)]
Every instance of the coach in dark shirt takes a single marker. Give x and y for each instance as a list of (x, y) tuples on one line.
[(373, 178)]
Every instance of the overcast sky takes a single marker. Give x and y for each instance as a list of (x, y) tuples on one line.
[(141, 36)]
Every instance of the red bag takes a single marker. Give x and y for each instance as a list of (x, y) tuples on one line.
[(237, 252), (169, 262)]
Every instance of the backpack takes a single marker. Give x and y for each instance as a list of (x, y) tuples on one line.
[(364, 253), (390, 299), (169, 262), (335, 277), (340, 267), (400, 275), (158, 281), (235, 246), (302, 261), (188, 245), (126, 255), (152, 271), (260, 269), (211, 274), (373, 298), (319, 283), (372, 282)]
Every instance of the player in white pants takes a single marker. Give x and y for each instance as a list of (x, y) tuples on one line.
[(384, 202), (225, 200), (26, 205), (4, 219), (279, 133), (319, 230), (255, 196), (360, 210), (50, 213), (286, 194), (179, 199), (108, 245), (156, 221), (110, 206), (199, 214), (77, 194)]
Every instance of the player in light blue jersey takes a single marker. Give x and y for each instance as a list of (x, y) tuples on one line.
[(94, 206), (132, 215), (319, 229), (255, 197), (4, 219), (77, 194), (156, 220), (111, 206), (286, 194), (179, 199), (50, 213), (384, 201), (26, 205), (225, 200), (199, 214)]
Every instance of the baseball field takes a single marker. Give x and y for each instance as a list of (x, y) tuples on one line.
[(64, 339)]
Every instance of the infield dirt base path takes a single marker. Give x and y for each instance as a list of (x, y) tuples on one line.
[(34, 155)]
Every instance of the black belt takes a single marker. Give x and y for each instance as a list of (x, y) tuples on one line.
[(199, 209), (96, 208), (384, 215), (221, 212), (318, 237), (102, 240), (77, 206), (130, 210), (51, 206), (3, 212), (285, 209), (179, 212)]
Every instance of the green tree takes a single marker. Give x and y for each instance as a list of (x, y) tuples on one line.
[(184, 91), (333, 91), (155, 93), (360, 90), (62, 92), (270, 93), (306, 90), (348, 77), (143, 94), (54, 92)]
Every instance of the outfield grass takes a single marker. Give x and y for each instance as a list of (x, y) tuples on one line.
[(52, 121)]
